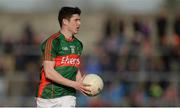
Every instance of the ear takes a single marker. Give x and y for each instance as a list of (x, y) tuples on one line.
[(65, 21)]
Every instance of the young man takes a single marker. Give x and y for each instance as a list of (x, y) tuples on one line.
[(60, 74)]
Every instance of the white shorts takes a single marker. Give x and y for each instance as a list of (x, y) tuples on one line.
[(65, 101)]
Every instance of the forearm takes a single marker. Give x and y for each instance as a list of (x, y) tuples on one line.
[(53, 75), (56, 77), (78, 75)]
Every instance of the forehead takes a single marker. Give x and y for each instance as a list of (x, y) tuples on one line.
[(75, 16)]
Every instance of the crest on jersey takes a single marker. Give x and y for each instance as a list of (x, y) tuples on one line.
[(72, 49), (65, 48)]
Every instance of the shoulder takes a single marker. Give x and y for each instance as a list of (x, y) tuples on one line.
[(78, 41), (52, 39)]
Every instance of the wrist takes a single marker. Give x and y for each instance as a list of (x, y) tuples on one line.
[(73, 84)]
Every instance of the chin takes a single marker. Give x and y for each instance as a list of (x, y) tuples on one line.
[(75, 32)]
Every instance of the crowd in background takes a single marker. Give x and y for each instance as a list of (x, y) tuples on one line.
[(137, 71)]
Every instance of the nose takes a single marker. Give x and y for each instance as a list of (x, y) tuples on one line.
[(79, 22)]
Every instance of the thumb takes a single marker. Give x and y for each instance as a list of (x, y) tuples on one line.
[(82, 78)]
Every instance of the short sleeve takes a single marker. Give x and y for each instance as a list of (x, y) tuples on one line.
[(81, 47), (50, 50)]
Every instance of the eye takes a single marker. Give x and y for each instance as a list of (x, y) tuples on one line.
[(77, 19)]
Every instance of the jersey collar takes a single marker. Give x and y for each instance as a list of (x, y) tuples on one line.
[(67, 39)]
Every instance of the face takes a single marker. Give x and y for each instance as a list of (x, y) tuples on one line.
[(74, 24)]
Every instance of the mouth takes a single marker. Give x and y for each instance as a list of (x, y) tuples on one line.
[(78, 28)]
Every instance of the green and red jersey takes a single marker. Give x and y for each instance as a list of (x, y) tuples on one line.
[(66, 54)]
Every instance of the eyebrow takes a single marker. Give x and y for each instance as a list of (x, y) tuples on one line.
[(77, 19)]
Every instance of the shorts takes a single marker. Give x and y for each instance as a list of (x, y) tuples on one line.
[(65, 101)]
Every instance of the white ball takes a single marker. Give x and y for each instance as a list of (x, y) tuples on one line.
[(95, 83)]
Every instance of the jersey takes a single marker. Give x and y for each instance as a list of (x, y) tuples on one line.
[(66, 54)]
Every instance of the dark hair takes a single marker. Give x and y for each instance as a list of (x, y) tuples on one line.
[(67, 12)]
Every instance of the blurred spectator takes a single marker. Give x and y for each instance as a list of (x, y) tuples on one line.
[(165, 55), (27, 51), (170, 95), (175, 50), (93, 64), (8, 61), (134, 52), (133, 64), (161, 26), (112, 46), (2, 66), (106, 62), (1, 41), (156, 90), (106, 94), (121, 65), (96, 102), (158, 64), (147, 54), (139, 95), (136, 24), (8, 45), (3, 88), (82, 100), (146, 30), (107, 28), (28, 37), (122, 44), (32, 78), (176, 24)]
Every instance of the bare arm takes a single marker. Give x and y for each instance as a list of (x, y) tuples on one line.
[(78, 76), (53, 75)]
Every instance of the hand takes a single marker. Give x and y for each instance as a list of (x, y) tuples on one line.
[(83, 88)]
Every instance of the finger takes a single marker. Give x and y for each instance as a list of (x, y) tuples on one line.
[(86, 89), (86, 92), (83, 77), (86, 85)]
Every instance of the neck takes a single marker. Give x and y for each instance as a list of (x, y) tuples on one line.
[(66, 33)]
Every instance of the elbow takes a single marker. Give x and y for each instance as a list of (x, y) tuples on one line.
[(47, 75)]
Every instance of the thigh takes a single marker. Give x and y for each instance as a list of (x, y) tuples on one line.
[(65, 101), (44, 103), (68, 101)]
